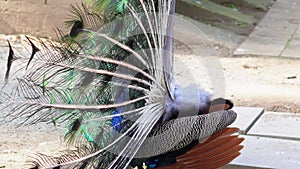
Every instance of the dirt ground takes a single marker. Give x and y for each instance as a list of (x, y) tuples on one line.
[(17, 145), (269, 82), (272, 83)]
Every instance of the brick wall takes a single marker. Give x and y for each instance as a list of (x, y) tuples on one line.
[(33, 16)]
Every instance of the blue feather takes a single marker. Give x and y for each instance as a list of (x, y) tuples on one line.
[(116, 121)]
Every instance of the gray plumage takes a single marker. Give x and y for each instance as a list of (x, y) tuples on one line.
[(178, 133)]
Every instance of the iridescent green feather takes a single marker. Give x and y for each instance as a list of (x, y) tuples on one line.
[(66, 84)]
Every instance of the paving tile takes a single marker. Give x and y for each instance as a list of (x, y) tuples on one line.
[(276, 124), (270, 38), (269, 153), (247, 116), (262, 4), (292, 49)]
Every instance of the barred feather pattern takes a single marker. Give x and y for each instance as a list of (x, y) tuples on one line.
[(178, 133)]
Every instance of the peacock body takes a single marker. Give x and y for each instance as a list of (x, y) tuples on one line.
[(110, 81)]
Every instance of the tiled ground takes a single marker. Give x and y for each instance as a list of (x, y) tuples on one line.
[(272, 140)]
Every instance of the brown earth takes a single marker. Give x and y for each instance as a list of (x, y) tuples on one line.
[(272, 83), (269, 82)]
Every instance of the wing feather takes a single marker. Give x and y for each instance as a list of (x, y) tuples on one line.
[(218, 150)]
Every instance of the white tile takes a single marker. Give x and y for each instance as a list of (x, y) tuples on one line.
[(246, 117), (277, 124), (269, 153)]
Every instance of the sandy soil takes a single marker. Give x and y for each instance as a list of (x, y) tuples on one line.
[(268, 82), (272, 83), (18, 144)]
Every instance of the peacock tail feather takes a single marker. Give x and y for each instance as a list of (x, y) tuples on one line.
[(110, 82), (92, 83)]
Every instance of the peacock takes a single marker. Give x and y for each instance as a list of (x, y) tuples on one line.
[(110, 81)]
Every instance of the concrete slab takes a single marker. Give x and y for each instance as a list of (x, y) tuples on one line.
[(215, 8), (278, 125), (247, 116), (274, 32), (292, 49), (232, 166), (262, 4), (263, 152)]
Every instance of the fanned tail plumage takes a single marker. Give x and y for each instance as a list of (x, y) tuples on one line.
[(110, 81)]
